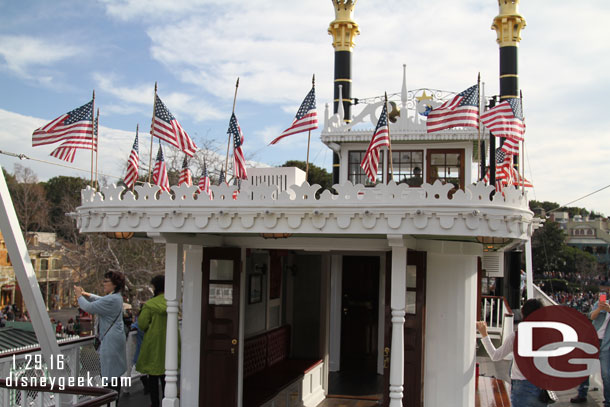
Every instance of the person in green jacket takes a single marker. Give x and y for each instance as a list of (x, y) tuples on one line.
[(153, 321)]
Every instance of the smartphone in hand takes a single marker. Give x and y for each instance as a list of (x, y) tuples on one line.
[(602, 298)]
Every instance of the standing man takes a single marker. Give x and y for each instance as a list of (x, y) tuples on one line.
[(600, 317), (153, 322)]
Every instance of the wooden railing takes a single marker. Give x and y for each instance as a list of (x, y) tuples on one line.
[(97, 396)]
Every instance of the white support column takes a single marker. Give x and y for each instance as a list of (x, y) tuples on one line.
[(398, 304), (529, 272), (191, 326), (26, 277), (174, 256)]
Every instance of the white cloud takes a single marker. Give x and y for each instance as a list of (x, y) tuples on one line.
[(22, 54), (138, 98)]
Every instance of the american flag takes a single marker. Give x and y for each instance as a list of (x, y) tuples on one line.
[(76, 124), (510, 146), (306, 118), (67, 150), (504, 170), (381, 138), (133, 163), (160, 171), (520, 181), (166, 127), (185, 175), (239, 162), (505, 119), (204, 182), (461, 111)]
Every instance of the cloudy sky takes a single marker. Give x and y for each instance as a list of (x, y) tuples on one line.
[(53, 54)]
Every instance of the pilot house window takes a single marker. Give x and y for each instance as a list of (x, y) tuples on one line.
[(408, 167), (446, 166), (356, 174)]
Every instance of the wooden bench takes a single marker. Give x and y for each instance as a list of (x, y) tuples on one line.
[(271, 378)]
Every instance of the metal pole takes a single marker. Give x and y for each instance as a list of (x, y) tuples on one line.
[(92, 133), (152, 125), (229, 141)]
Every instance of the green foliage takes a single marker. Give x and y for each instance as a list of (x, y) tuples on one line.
[(546, 205), (317, 175), (550, 253)]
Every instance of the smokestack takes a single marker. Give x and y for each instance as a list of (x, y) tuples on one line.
[(343, 29), (508, 25)]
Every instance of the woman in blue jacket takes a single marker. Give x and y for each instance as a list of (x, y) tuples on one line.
[(109, 311)]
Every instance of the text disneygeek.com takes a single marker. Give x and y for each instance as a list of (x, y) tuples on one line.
[(20, 378), (61, 382)]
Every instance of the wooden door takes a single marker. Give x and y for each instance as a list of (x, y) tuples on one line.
[(359, 318), (414, 329), (220, 327)]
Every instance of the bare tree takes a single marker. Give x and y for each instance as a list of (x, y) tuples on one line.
[(29, 199)]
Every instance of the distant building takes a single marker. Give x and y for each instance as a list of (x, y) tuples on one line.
[(590, 235), (46, 253)]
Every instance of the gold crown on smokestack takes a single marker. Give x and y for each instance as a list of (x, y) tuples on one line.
[(343, 29), (509, 23)]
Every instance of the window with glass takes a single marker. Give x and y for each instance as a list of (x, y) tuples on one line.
[(356, 174), (446, 166), (44, 264), (408, 166)]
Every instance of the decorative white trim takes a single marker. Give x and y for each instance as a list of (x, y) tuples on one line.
[(355, 210)]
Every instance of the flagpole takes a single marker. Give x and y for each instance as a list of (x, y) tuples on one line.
[(313, 85), (389, 138), (522, 162), (137, 173), (97, 144), (152, 125), (92, 133), (479, 126), (229, 142)]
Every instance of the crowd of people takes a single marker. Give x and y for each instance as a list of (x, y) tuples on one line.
[(582, 279), (581, 301)]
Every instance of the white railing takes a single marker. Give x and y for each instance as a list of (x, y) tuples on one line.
[(79, 360), (542, 296), (498, 316)]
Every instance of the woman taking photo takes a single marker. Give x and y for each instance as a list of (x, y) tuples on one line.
[(522, 392), (109, 311)]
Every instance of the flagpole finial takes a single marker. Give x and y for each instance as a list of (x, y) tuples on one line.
[(237, 83), (93, 97), (313, 80), (156, 87)]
